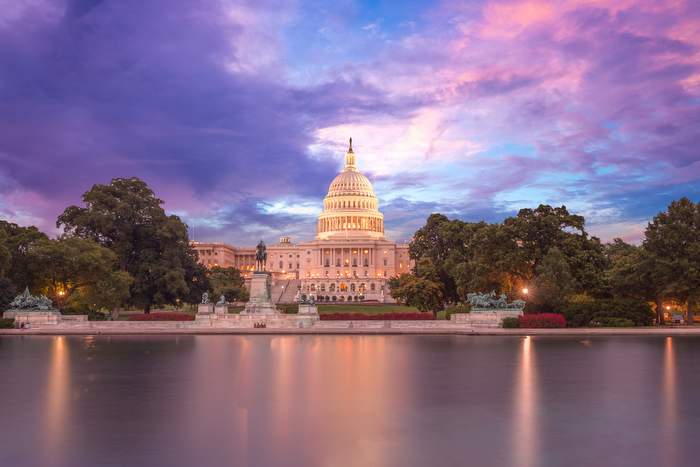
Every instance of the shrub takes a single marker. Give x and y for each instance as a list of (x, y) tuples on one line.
[(609, 322), (510, 322), (442, 315), (583, 313), (289, 308), (458, 308), (542, 320), (7, 323), (160, 316), (377, 316), (97, 316)]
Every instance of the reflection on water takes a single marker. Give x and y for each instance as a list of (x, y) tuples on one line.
[(404, 401), (669, 398), (58, 387), (525, 423)]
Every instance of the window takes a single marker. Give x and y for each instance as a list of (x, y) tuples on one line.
[(366, 262), (352, 287), (323, 287), (328, 263), (331, 288), (354, 262), (290, 265), (281, 265), (337, 262), (372, 287), (385, 261)]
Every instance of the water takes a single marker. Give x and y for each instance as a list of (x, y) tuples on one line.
[(348, 401)]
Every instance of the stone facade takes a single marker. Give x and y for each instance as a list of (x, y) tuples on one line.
[(349, 260)]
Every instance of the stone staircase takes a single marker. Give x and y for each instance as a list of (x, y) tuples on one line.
[(285, 291)]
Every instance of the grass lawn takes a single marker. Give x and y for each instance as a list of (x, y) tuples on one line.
[(359, 308)]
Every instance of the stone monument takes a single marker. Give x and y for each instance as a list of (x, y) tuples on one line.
[(205, 307), (260, 302), (27, 309), (221, 306), (307, 307)]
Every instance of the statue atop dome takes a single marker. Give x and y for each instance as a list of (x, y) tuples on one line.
[(350, 158)]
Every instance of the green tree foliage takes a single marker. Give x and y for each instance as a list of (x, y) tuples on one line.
[(536, 231), (126, 217), (227, 281), (672, 241), (553, 283), (5, 256), (78, 274), (424, 294), (18, 243), (633, 274), (7, 292)]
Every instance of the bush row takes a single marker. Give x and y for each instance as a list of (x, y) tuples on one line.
[(288, 308), (592, 312), (7, 323), (376, 316), (159, 316), (536, 320)]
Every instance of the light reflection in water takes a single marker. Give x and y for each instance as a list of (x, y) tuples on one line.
[(57, 400), (669, 395), (525, 421)]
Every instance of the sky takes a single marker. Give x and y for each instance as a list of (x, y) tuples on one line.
[(237, 113)]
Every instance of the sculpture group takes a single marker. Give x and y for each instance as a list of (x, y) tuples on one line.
[(28, 302), (491, 301)]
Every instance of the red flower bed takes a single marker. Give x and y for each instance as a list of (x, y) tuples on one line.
[(160, 316), (376, 316), (542, 320)]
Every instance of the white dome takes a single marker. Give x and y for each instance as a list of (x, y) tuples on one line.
[(350, 208)]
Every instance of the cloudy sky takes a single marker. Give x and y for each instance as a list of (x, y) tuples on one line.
[(238, 113)]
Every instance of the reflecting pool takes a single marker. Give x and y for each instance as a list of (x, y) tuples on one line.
[(348, 401)]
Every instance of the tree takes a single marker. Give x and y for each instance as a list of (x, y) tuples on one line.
[(227, 281), (424, 294), (5, 256), (634, 274), (553, 282), (79, 274), (7, 292), (672, 239), (126, 217), (19, 242), (536, 231), (436, 241)]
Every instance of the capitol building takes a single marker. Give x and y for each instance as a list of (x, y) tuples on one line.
[(349, 260)]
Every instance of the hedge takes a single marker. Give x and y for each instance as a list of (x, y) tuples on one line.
[(162, 316), (541, 320), (510, 322), (608, 322), (7, 323), (377, 316), (587, 313), (458, 308), (288, 308)]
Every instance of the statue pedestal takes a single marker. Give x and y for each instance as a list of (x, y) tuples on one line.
[(308, 309), (205, 308), (260, 302), (221, 308)]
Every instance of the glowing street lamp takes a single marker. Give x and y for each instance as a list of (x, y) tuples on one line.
[(525, 291)]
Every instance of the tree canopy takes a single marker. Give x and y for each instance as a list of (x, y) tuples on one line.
[(152, 247)]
